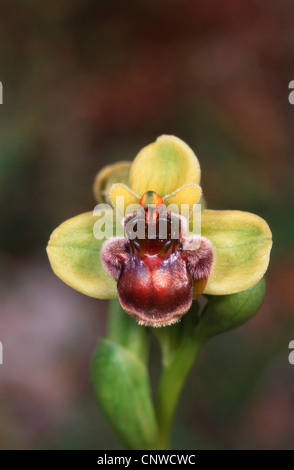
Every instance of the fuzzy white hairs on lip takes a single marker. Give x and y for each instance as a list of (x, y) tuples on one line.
[(114, 254), (199, 257)]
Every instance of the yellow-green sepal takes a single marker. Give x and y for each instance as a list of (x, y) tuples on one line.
[(74, 254), (164, 166), (242, 243), (116, 173)]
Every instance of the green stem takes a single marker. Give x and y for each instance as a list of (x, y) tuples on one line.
[(172, 380)]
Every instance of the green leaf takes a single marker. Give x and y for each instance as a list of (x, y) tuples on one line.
[(122, 387), (74, 254), (242, 243), (225, 312)]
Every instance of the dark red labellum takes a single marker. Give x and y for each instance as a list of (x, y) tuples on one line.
[(156, 267)]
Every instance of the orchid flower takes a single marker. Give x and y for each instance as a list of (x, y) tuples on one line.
[(155, 279), (138, 247)]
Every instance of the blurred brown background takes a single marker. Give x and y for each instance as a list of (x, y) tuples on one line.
[(87, 83)]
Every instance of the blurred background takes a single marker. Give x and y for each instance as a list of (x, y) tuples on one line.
[(88, 83)]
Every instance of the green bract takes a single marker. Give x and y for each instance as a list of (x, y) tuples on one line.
[(242, 241), (120, 378)]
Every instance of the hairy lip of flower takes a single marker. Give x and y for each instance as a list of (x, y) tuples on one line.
[(156, 275)]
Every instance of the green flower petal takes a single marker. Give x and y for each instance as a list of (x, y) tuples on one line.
[(74, 254), (164, 166), (242, 243), (187, 194), (121, 190)]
